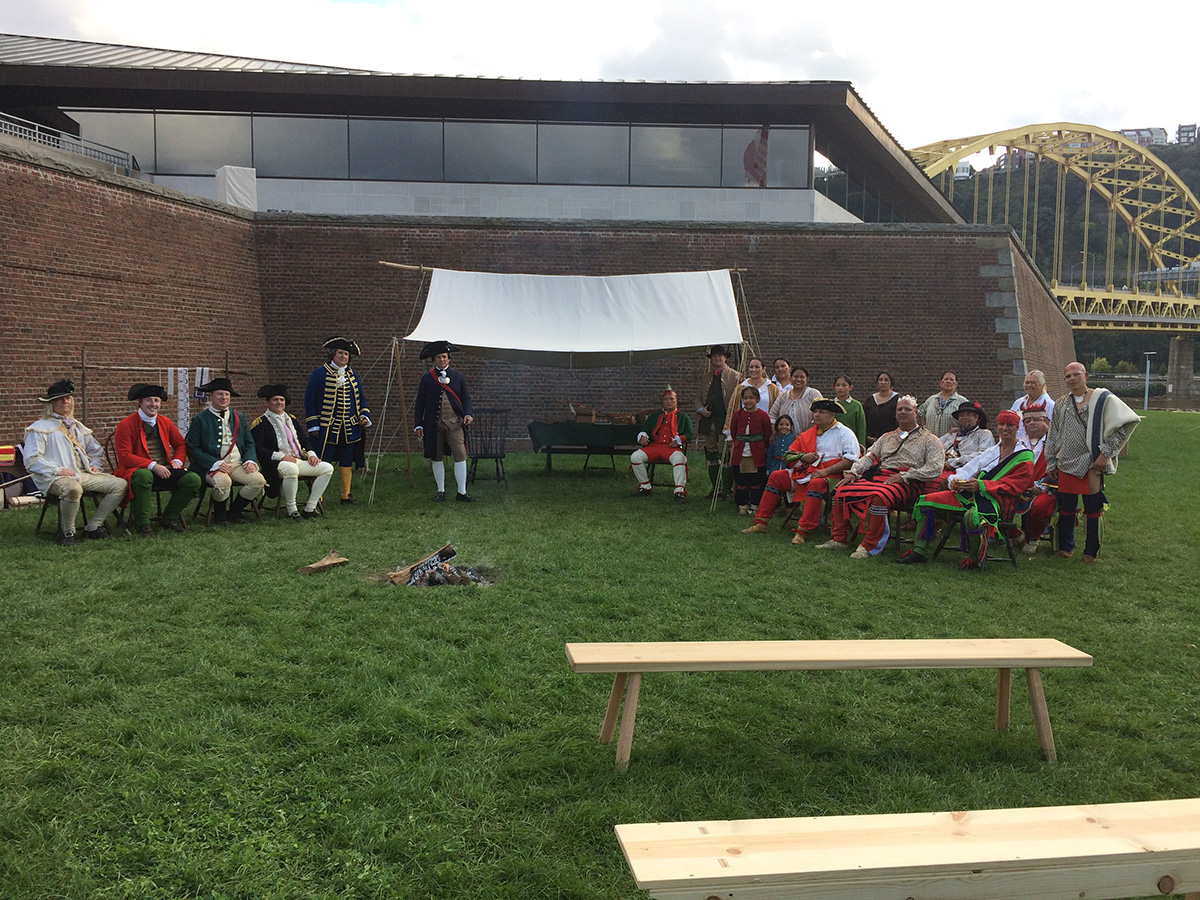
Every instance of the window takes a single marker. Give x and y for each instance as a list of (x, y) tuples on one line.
[(491, 151), (286, 147), (132, 132), (583, 154), (388, 149), (201, 144), (671, 155)]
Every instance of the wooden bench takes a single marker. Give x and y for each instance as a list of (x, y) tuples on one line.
[(1050, 853), (630, 661)]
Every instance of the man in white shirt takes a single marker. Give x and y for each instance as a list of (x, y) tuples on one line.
[(65, 461), (817, 455), (1035, 397)]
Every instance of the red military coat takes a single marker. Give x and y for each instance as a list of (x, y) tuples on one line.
[(129, 442)]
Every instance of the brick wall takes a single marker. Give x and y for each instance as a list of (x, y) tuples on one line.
[(130, 277), (144, 278)]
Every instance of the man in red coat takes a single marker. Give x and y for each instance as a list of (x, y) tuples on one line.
[(152, 455)]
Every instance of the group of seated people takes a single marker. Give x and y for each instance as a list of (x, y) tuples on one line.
[(788, 444), (239, 459)]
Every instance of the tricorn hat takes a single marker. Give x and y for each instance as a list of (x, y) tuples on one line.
[(432, 349), (717, 348), (342, 343), (974, 406), (64, 388), (267, 391), (218, 384), (141, 391), (828, 406)]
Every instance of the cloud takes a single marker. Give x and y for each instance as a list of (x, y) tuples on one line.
[(974, 69)]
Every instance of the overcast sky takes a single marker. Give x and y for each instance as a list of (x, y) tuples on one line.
[(928, 71)]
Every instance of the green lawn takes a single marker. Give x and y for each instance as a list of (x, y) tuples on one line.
[(188, 717)]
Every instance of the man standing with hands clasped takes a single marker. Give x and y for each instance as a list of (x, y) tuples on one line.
[(1087, 431), (443, 407)]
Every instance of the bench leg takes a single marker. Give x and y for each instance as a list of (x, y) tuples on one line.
[(1003, 698), (628, 714), (614, 703), (1041, 716)]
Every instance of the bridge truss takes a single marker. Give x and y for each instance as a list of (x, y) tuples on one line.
[(1160, 214)]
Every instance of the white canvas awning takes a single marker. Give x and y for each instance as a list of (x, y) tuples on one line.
[(577, 320)]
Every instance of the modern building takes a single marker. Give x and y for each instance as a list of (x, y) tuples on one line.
[(343, 141)]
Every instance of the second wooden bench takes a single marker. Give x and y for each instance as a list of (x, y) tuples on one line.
[(629, 661)]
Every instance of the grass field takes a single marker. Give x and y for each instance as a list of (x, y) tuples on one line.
[(188, 717)]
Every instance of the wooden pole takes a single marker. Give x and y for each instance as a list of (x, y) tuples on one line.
[(83, 383), (407, 268), (403, 409)]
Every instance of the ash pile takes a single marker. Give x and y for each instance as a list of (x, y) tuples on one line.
[(435, 569)]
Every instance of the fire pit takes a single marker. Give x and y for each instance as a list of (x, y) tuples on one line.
[(435, 569)]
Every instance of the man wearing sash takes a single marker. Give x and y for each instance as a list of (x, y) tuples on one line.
[(335, 411), (664, 439), (1087, 431), (985, 490), (222, 452), (286, 456), (889, 476), (443, 408), (65, 460), (815, 456), (152, 453)]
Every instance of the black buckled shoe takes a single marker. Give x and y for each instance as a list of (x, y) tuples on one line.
[(146, 531), (465, 498), (439, 497)]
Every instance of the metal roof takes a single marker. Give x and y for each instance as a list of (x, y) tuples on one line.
[(18, 49)]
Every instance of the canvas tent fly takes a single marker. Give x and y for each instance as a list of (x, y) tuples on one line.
[(580, 321)]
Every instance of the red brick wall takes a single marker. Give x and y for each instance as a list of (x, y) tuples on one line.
[(124, 274), (857, 299), (143, 278)]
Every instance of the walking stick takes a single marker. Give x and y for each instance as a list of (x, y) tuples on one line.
[(726, 452)]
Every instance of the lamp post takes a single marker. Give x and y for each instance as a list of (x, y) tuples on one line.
[(1146, 399)]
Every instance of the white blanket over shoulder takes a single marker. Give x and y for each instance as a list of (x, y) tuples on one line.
[(579, 320)]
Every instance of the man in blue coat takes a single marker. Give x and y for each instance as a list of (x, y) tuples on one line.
[(443, 407), (335, 410)]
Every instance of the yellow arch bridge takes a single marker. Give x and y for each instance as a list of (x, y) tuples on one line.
[(1144, 267)]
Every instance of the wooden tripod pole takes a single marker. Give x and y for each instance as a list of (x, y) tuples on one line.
[(403, 408)]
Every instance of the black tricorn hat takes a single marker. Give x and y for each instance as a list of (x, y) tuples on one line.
[(342, 343), (432, 349), (64, 388), (218, 384), (974, 406), (267, 391), (828, 406), (141, 391), (717, 348)]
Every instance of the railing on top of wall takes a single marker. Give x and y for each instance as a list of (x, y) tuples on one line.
[(49, 137)]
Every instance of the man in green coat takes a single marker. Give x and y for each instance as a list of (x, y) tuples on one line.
[(222, 452)]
